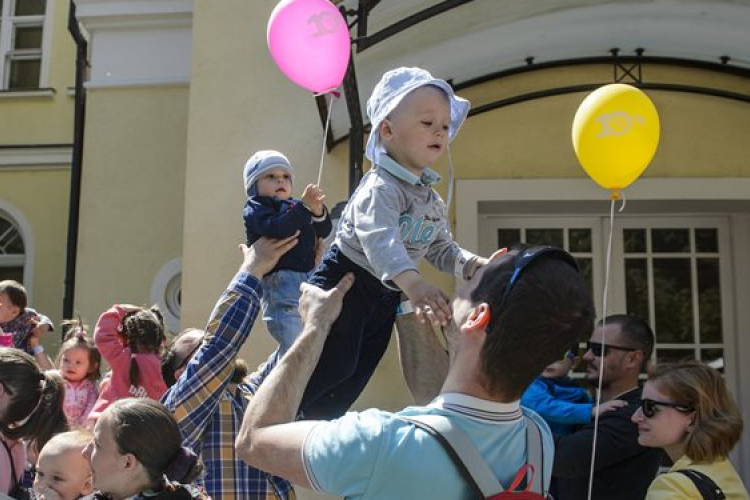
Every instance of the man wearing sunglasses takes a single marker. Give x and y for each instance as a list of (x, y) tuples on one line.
[(618, 350), (515, 316)]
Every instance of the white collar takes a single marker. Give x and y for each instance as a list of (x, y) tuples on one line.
[(474, 407), (428, 179)]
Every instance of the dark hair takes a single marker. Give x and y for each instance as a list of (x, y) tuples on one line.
[(637, 332), (144, 331), (171, 362), (15, 292), (548, 308), (718, 422), (137, 425), (35, 410), (77, 338), (240, 371)]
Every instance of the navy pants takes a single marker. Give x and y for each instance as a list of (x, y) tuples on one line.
[(357, 341)]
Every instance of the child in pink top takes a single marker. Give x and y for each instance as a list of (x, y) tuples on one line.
[(79, 364), (130, 338)]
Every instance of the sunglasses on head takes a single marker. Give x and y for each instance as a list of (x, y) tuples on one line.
[(649, 407), (525, 257), (569, 355), (600, 350)]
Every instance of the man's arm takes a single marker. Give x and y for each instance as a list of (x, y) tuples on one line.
[(424, 360), (270, 439), (196, 394)]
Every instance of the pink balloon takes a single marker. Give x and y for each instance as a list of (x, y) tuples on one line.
[(309, 41)]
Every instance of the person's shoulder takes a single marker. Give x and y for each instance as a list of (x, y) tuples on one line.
[(672, 485)]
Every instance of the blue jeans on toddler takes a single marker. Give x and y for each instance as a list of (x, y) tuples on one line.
[(280, 305), (357, 341)]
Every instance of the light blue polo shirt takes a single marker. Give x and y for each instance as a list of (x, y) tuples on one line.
[(374, 455)]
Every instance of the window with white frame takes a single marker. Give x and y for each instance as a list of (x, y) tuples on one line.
[(12, 251), (21, 43), (672, 272)]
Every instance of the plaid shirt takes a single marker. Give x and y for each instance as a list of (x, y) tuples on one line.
[(209, 409)]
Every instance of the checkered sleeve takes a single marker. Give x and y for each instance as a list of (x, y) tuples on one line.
[(196, 395)]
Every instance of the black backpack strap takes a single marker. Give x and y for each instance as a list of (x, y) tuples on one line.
[(708, 489)]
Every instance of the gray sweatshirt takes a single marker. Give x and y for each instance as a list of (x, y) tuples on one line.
[(395, 218)]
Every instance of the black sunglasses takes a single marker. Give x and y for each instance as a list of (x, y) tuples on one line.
[(648, 407), (525, 257), (601, 350)]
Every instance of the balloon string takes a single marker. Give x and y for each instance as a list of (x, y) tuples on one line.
[(325, 134), (604, 341), (450, 179)]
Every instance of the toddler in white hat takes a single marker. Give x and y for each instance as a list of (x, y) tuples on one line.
[(393, 220)]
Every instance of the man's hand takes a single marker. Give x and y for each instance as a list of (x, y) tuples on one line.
[(261, 256), (321, 308), (314, 197)]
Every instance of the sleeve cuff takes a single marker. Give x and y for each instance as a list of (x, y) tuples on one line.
[(247, 283), (306, 464), (322, 218), (464, 260)]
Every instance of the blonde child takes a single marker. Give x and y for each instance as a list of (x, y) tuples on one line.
[(130, 339), (392, 221), (62, 471), (79, 364)]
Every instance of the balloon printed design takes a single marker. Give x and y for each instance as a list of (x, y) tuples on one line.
[(309, 42), (615, 135)]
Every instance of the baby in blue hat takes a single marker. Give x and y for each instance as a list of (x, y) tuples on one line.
[(393, 220), (271, 211)]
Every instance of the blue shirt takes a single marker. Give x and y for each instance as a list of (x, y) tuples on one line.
[(560, 401), (376, 456)]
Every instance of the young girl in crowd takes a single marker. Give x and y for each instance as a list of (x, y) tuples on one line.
[(62, 472), (130, 338), (79, 364)]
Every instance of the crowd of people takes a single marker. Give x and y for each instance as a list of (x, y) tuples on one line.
[(186, 420)]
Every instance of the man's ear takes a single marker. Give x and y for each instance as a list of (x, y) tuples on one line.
[(129, 461), (479, 318), (637, 358)]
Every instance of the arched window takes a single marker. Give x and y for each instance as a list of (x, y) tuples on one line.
[(12, 251)]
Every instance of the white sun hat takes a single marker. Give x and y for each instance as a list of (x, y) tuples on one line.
[(391, 90)]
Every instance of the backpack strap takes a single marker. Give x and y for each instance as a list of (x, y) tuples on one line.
[(708, 489), (472, 466)]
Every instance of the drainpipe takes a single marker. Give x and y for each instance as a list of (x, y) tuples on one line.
[(77, 162)]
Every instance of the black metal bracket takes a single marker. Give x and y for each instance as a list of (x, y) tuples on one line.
[(631, 71)]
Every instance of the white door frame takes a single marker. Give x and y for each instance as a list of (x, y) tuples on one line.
[(545, 192)]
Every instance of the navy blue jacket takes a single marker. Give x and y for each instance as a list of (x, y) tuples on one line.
[(274, 218)]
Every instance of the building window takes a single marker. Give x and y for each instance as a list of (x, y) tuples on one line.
[(21, 42), (669, 271), (12, 251)]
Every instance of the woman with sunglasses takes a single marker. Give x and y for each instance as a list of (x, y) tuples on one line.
[(687, 410), (31, 410)]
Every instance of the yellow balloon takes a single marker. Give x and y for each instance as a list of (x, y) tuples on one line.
[(615, 134)]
